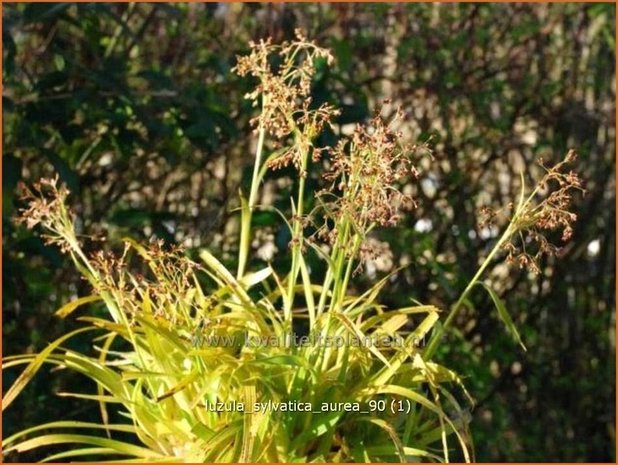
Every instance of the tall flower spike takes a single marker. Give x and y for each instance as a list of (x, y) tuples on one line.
[(537, 217), (46, 207), (368, 171), (284, 73)]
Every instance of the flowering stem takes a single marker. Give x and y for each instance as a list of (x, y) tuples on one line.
[(348, 272), (245, 231), (334, 268), (433, 344), (333, 273), (513, 228), (256, 169), (297, 231)]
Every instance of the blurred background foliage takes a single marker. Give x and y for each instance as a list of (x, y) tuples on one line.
[(135, 107)]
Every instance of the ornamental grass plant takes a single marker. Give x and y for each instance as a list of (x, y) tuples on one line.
[(196, 362)]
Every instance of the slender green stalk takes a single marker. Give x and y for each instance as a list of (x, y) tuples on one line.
[(334, 269), (339, 266), (348, 271), (325, 287), (245, 231), (433, 344), (512, 228), (297, 240), (255, 184), (333, 277), (340, 286)]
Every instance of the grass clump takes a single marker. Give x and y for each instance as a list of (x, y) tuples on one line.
[(207, 364)]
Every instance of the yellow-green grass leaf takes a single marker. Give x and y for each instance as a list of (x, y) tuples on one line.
[(105, 324), (164, 334), (224, 275), (315, 289), (266, 165), (361, 337), (251, 279), (102, 359), (397, 361), (179, 387), (412, 454), (287, 360), (216, 266), (321, 253), (141, 250), (442, 374), (162, 459), (442, 416), (375, 319), (280, 291), (222, 441), (52, 439), (504, 314), (320, 425), (66, 424), (98, 398), (391, 432), (368, 298), (245, 235), (86, 451), (425, 326), (34, 367), (70, 307), (92, 368), (250, 427), (394, 323)]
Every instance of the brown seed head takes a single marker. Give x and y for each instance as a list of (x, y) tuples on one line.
[(368, 170), (284, 74), (545, 214)]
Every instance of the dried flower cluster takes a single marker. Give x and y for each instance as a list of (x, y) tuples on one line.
[(368, 171), (166, 293), (46, 207), (377, 254), (551, 213), (285, 72)]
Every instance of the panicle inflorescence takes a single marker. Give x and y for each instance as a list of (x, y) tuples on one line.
[(169, 269), (553, 212), (165, 287), (285, 72), (368, 171), (548, 209), (46, 207)]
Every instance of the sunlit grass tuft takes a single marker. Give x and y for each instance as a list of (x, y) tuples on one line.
[(206, 364)]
